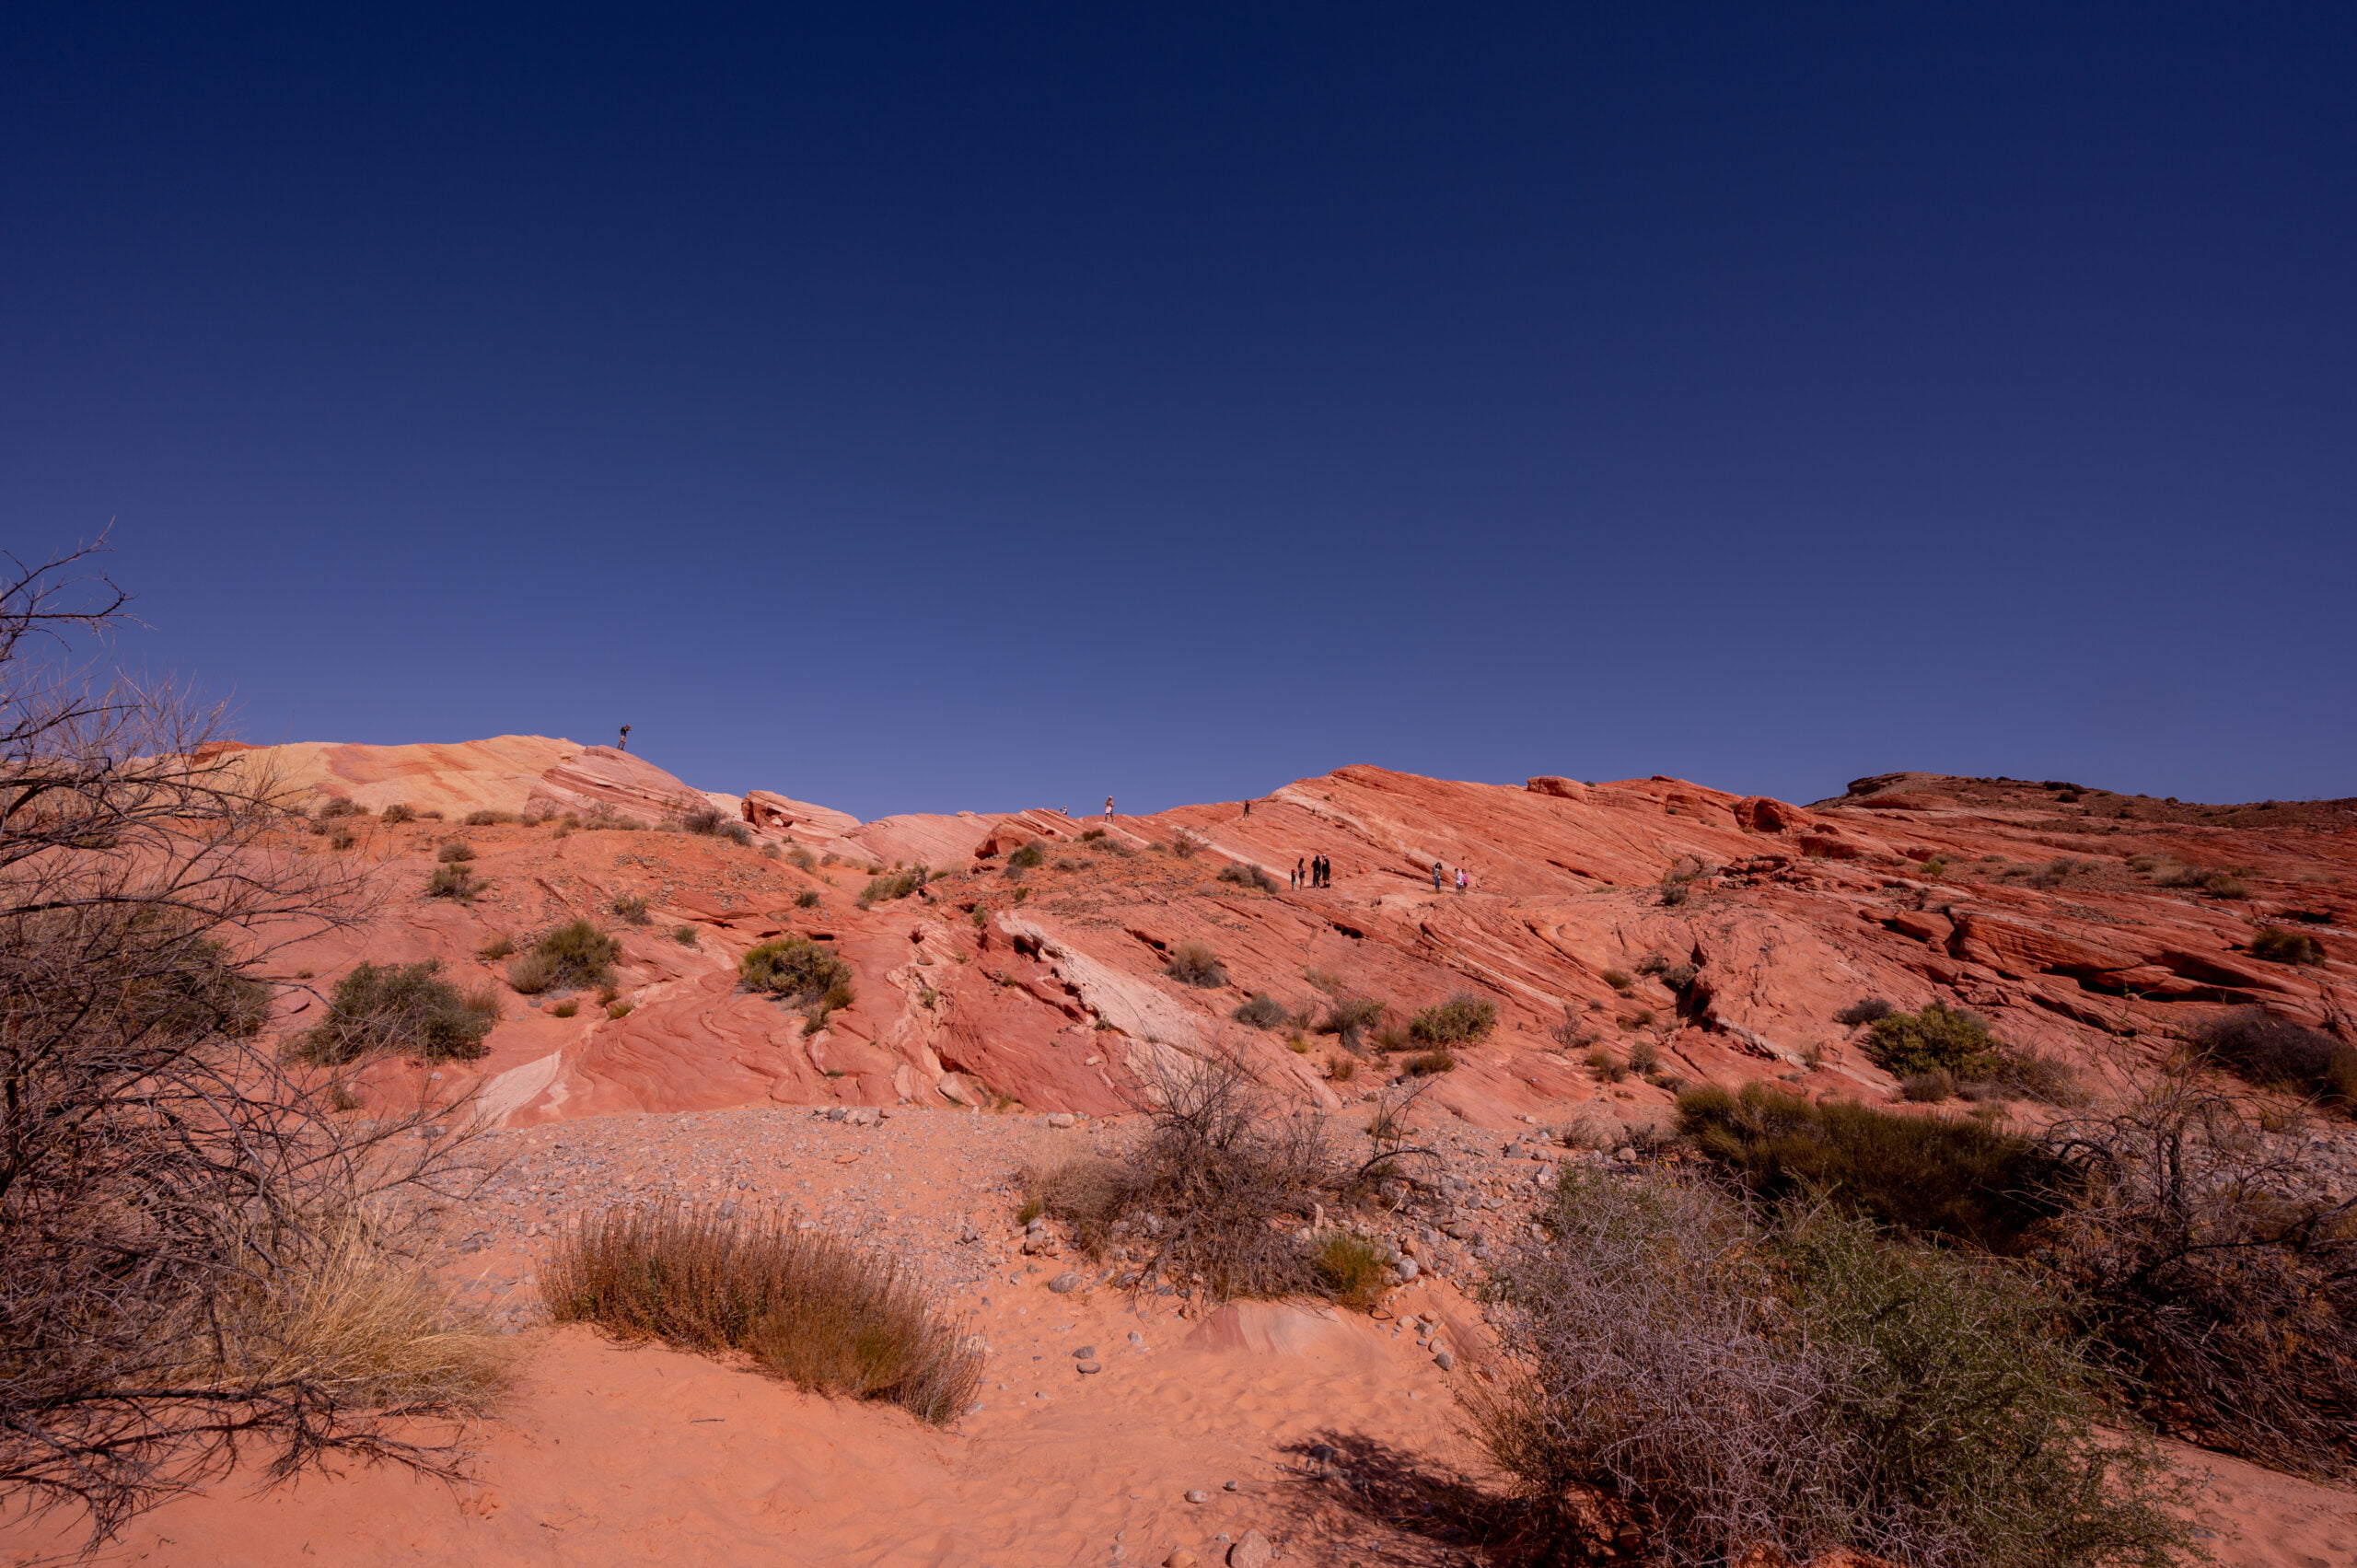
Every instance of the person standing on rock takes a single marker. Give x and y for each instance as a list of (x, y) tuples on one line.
[(1462, 879), (1325, 872), (624, 744), (1108, 808), (1300, 871), (1435, 875)]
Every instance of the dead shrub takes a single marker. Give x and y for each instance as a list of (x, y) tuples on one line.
[(1245, 875), (1262, 1011), (1796, 1385), (631, 907), (1429, 1062), (2216, 1265), (181, 1213), (487, 819), (454, 850), (456, 882), (2276, 1053), (1348, 1018), (807, 1306)]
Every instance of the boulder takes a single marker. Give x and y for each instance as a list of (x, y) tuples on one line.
[(1766, 814)]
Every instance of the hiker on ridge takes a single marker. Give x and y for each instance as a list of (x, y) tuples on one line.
[(1435, 875), (1462, 879)]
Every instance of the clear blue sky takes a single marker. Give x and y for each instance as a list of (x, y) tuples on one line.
[(924, 407)]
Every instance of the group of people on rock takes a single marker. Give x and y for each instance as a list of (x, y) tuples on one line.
[(1315, 872), (1463, 881)]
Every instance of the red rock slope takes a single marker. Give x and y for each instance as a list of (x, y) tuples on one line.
[(2075, 922)]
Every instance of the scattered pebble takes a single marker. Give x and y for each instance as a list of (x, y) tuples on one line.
[(1065, 1282), (1199, 1496)]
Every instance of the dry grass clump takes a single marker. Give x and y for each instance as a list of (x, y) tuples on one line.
[(631, 907), (1728, 1385), (455, 881), (714, 823), (454, 850), (685, 936), (1192, 963), (2216, 1265), (1926, 1175), (1245, 875), (1353, 1270), (1428, 1063), (2281, 947), (803, 1306), (1460, 1020), (487, 819), (399, 1009), (575, 954), (1349, 1017), (885, 890)]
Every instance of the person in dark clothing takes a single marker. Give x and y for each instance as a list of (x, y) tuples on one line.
[(1299, 870), (624, 744), (1435, 875), (1325, 872)]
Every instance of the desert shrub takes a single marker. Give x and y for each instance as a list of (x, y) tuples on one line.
[(685, 936), (1184, 844), (1192, 963), (576, 953), (1429, 1062), (2225, 885), (337, 806), (455, 852), (1262, 1011), (1341, 1069), (342, 839), (565, 1010), (1938, 1038), (887, 888), (1351, 1269), (711, 822), (631, 907), (801, 858), (2215, 1265), (1026, 857), (2281, 947), (803, 1306), (1092, 835), (1458, 1021), (1929, 1176), (1864, 1012), (2276, 1053), (794, 968), (806, 900), (621, 1009), (399, 1009), (1608, 1067), (1349, 1017), (487, 819), (1245, 875), (397, 812), (1618, 980), (1221, 1180), (1087, 1194), (1791, 1384), (1644, 1056), (498, 947), (607, 818), (1927, 1089), (455, 881), (1100, 844)]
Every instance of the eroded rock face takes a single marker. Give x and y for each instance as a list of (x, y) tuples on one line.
[(1053, 989)]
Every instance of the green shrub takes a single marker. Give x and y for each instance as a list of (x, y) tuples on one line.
[(1191, 963), (1025, 858), (455, 852), (806, 900), (2281, 947), (1245, 875), (1608, 1068), (711, 822), (803, 1306), (1429, 1063), (1262, 1011), (685, 936), (620, 1009), (1927, 1089), (1787, 1386), (1924, 1174), (885, 890), (2276, 1053), (453, 881), (498, 947), (576, 953), (1458, 1021), (794, 968), (1350, 1269), (379, 1010), (1938, 1038), (566, 1009), (1618, 980)]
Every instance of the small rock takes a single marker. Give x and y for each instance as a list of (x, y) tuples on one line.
[(861, 1116), (1088, 1367), (1065, 1282), (1061, 1119), (1182, 1557), (1231, 1486), (1136, 1337), (1197, 1494), (1408, 1269), (1085, 1352), (837, 1112), (1443, 1360), (1322, 1454), (1252, 1550)]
